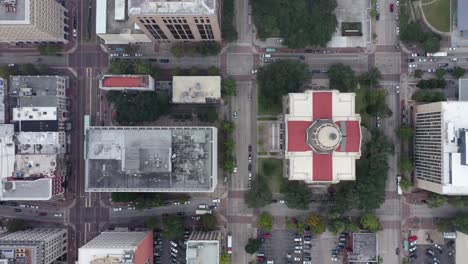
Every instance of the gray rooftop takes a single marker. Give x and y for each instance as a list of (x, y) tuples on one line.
[(364, 248), (36, 91), (462, 15), (17, 14), (114, 26), (151, 159), (181, 7), (463, 89)]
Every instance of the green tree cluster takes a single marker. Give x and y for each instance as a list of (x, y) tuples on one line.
[(424, 96), (431, 83), (370, 222), (141, 200), (14, 225), (302, 23), (405, 184), (153, 223), (228, 87), (208, 222), (436, 200), (371, 78), (141, 107), (412, 32), (343, 78), (228, 31), (49, 49), (225, 258), (209, 115), (133, 67), (280, 78), (458, 72), (406, 132), (406, 165), (418, 73), (296, 224), (459, 223), (458, 201), (265, 221), (259, 194), (297, 194), (253, 245), (440, 72), (173, 227), (376, 105), (317, 224), (227, 128)]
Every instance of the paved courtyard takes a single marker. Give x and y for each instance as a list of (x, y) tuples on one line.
[(351, 11)]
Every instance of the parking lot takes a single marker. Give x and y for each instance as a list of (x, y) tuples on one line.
[(443, 253), (285, 246), (170, 251), (322, 247)]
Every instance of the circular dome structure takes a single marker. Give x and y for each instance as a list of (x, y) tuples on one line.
[(323, 136)]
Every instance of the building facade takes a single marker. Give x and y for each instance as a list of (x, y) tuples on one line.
[(28, 21), (441, 136), (134, 247), (127, 83), (196, 89), (166, 21), (41, 246), (204, 247), (322, 136)]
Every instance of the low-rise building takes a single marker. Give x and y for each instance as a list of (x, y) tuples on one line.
[(127, 83), (204, 247), (462, 18), (364, 247), (135, 247), (322, 136), (38, 246), (441, 143), (196, 89), (150, 159)]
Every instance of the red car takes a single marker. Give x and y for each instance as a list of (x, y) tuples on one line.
[(412, 238), (260, 258), (266, 235), (391, 7)]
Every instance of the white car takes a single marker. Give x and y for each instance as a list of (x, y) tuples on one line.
[(297, 251), (254, 71), (216, 200), (176, 203), (173, 243), (412, 244), (74, 33), (398, 2), (195, 218), (58, 215), (250, 175), (281, 201), (117, 209), (414, 54), (422, 60), (377, 5), (453, 59), (235, 114), (412, 249), (11, 65), (398, 31), (187, 202), (451, 48), (431, 70), (234, 170), (297, 259), (131, 208), (397, 88)]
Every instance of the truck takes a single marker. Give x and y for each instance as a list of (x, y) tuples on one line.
[(437, 54), (399, 190), (202, 212), (229, 244)]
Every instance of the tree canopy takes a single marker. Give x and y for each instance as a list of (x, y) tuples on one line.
[(376, 105), (405, 184), (173, 227), (265, 221), (424, 96), (228, 87), (133, 67), (406, 165), (278, 79), (431, 83), (370, 222), (48, 49), (14, 225), (406, 132), (317, 224), (228, 31), (253, 245), (225, 258), (418, 73), (259, 195), (297, 194), (436, 200), (371, 78), (302, 23), (440, 72), (208, 222), (342, 77), (458, 72)]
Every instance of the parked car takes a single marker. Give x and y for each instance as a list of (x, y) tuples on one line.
[(412, 249), (180, 213), (266, 235), (58, 215), (216, 200)]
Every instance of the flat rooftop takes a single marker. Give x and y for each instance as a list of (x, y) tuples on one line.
[(161, 7), (37, 91), (364, 248), (17, 14), (206, 252), (463, 89), (34, 113), (196, 89), (151, 159)]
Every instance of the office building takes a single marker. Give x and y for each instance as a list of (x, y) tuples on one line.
[(166, 21), (127, 83), (132, 247), (440, 147), (150, 159), (196, 89), (38, 246), (30, 21), (204, 247), (322, 136)]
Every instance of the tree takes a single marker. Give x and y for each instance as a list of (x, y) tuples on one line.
[(371, 78), (351, 227), (418, 73), (28, 69), (406, 165), (436, 200), (461, 222), (123, 197), (225, 258), (228, 31), (370, 222), (228, 127), (153, 223), (14, 225), (431, 44), (405, 184), (458, 201), (145, 68), (229, 145), (458, 72), (342, 77), (278, 79), (423, 96), (444, 225), (440, 72), (297, 194), (259, 195), (211, 115), (337, 227), (253, 245), (173, 227), (431, 83), (178, 50), (406, 132), (208, 222), (316, 224), (194, 71), (265, 221), (229, 87), (6, 71), (208, 48), (228, 165), (213, 71), (376, 105), (48, 49)]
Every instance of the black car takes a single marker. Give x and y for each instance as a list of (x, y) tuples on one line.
[(450, 243), (413, 257), (250, 167), (450, 70), (180, 213), (410, 60), (17, 210), (302, 57), (309, 50), (164, 60)]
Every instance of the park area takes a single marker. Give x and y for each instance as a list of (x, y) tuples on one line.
[(271, 171), (437, 13)]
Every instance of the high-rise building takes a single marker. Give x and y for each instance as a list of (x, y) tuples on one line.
[(441, 143), (322, 136), (204, 247), (132, 247), (38, 246), (30, 21), (167, 21)]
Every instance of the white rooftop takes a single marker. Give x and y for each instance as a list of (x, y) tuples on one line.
[(161, 7), (206, 252), (33, 165), (2, 98), (34, 113), (195, 89)]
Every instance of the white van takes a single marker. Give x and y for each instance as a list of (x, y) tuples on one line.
[(266, 55)]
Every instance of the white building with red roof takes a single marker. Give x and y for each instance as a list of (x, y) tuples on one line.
[(142, 83), (323, 136)]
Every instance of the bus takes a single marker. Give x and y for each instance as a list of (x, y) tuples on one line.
[(229, 244), (202, 211), (437, 54), (270, 50), (399, 191), (86, 124)]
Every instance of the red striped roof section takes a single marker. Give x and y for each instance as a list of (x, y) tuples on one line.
[(322, 105), (297, 136), (144, 252), (353, 136), (322, 167), (123, 82)]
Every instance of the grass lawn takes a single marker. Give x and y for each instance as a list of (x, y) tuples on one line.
[(361, 106), (438, 14), (267, 110), (271, 170)]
